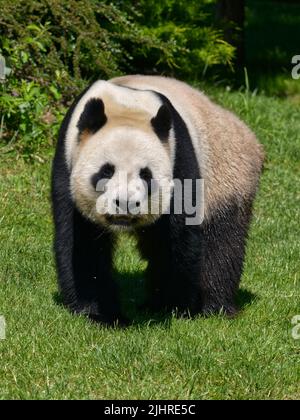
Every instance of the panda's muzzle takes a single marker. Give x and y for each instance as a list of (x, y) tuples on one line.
[(125, 206)]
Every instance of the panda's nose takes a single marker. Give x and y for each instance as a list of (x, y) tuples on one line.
[(121, 204), (125, 205)]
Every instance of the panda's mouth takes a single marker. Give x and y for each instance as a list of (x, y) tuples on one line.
[(124, 221)]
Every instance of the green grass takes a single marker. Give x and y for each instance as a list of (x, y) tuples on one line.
[(51, 354)]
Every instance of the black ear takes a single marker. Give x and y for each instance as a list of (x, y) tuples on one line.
[(93, 117), (162, 123)]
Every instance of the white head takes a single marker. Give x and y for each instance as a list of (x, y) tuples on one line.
[(120, 156)]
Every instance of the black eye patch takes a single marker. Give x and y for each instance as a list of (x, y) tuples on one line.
[(146, 176), (106, 172)]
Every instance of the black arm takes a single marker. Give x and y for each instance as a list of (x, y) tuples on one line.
[(83, 251)]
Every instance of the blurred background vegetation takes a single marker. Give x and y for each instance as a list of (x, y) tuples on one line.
[(55, 48)]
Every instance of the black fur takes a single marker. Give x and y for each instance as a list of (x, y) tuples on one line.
[(194, 269), (223, 241), (93, 116)]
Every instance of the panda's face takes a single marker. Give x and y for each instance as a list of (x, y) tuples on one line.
[(122, 176)]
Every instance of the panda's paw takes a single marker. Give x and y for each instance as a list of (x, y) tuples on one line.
[(110, 319)]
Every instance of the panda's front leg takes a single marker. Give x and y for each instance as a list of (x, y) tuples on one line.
[(185, 265), (172, 277), (223, 241), (84, 264)]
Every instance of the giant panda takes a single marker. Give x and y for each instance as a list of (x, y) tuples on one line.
[(154, 130)]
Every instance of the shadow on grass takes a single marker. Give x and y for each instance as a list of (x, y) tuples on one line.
[(245, 298), (133, 297), (132, 293), (57, 299)]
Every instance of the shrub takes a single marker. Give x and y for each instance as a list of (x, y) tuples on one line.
[(56, 47), (189, 24), (29, 124)]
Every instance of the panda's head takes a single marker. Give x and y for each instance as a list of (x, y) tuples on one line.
[(120, 156)]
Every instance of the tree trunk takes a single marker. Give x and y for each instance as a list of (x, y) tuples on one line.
[(231, 15)]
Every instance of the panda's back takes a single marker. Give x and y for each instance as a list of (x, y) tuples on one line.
[(229, 156)]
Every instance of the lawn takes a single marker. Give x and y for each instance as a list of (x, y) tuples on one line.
[(50, 354)]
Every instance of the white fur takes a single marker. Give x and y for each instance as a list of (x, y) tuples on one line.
[(121, 97), (129, 149), (126, 141)]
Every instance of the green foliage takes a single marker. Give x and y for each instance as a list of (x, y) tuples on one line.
[(70, 41), (56, 47), (28, 124), (189, 24)]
